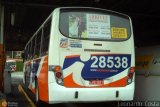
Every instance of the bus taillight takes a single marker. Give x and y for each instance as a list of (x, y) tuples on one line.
[(130, 75), (58, 74), (57, 69), (132, 69)]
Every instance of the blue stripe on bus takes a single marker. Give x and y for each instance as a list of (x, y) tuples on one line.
[(89, 73)]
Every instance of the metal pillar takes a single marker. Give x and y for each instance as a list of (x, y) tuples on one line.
[(2, 61)]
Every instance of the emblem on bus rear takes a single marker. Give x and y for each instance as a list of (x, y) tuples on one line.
[(64, 43)]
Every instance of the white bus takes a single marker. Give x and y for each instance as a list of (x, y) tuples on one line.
[(81, 55)]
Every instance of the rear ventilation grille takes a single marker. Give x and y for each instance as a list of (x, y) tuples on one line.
[(96, 50)]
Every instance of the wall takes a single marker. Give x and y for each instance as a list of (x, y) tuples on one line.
[(147, 88), (147, 81)]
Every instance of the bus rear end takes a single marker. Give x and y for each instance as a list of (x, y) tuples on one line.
[(95, 58)]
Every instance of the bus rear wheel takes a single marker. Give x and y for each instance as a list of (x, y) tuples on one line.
[(36, 93)]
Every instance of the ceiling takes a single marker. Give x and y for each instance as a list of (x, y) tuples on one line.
[(29, 15)]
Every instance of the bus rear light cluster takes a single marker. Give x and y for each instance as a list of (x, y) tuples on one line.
[(57, 69), (58, 74), (60, 81), (130, 75)]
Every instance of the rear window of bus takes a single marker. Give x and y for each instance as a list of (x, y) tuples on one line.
[(94, 24)]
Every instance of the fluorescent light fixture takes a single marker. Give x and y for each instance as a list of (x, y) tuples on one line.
[(96, 1)]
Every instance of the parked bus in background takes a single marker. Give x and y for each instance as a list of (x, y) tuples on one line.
[(81, 55)]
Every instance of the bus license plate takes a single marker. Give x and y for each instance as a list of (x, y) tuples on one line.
[(96, 82)]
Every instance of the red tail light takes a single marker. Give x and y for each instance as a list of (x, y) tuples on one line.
[(58, 74), (132, 70), (130, 75)]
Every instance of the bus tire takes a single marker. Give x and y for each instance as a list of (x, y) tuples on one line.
[(36, 93), (25, 82), (39, 103)]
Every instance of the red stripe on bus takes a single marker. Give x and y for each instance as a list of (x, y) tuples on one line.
[(73, 56), (69, 82), (119, 83), (43, 81)]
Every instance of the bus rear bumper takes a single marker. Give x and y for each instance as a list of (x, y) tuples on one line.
[(61, 94)]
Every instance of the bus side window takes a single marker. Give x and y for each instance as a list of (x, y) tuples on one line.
[(28, 51), (38, 44), (25, 52), (46, 36), (33, 48)]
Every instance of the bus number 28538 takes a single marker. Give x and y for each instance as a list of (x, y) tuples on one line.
[(109, 62)]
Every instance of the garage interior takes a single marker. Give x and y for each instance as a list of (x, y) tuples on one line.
[(23, 17)]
